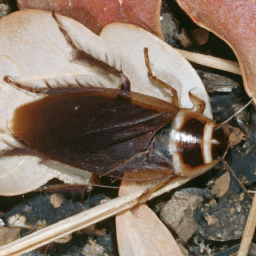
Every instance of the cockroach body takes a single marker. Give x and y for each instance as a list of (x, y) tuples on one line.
[(113, 131)]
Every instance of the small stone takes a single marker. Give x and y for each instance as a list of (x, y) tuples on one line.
[(238, 208), (93, 249), (199, 36), (211, 219), (92, 230), (40, 225), (7, 235), (169, 27), (2, 222), (64, 239), (105, 200), (241, 196), (56, 200), (211, 203), (184, 38), (243, 179), (178, 213)]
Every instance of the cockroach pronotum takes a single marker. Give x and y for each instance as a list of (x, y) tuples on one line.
[(113, 131)]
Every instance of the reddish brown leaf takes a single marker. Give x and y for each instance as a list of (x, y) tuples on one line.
[(233, 21), (98, 13)]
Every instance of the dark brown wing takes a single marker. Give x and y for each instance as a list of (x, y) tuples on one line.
[(96, 130)]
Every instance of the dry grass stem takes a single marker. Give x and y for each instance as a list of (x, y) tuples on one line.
[(212, 62), (249, 230), (83, 220)]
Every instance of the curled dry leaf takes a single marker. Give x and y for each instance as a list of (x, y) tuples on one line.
[(18, 221), (33, 51), (221, 185), (56, 200), (234, 22), (139, 230), (97, 14)]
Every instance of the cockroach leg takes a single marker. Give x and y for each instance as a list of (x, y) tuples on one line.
[(48, 90), (95, 181), (125, 162), (8, 80), (22, 152), (48, 85), (171, 176), (152, 189), (126, 86), (78, 82), (83, 56), (164, 85), (199, 105), (63, 188)]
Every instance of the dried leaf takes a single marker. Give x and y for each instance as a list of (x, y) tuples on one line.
[(139, 231), (98, 13), (221, 185), (18, 221), (234, 22)]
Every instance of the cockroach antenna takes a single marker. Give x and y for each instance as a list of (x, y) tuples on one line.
[(233, 140), (238, 112)]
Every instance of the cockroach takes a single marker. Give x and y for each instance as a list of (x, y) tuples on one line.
[(114, 131)]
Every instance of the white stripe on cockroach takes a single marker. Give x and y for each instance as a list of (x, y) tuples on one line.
[(115, 131)]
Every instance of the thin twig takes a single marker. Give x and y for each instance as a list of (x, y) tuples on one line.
[(212, 62), (249, 230)]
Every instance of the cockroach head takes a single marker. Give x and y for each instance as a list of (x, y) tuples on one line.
[(235, 135), (197, 143)]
